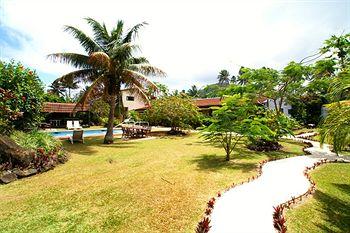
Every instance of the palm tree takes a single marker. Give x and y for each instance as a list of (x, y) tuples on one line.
[(70, 84), (56, 89), (224, 78), (241, 79), (108, 65), (193, 91)]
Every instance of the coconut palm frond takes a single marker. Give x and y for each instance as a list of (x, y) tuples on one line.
[(132, 33), (85, 75), (123, 52), (101, 34), (117, 32), (336, 127), (148, 69), (91, 91), (138, 60), (100, 60), (73, 59), (88, 44), (341, 85), (137, 89), (131, 76)]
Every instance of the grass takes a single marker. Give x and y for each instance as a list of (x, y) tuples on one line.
[(159, 185), (329, 208), (303, 130)]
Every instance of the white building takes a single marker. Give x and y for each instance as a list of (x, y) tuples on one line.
[(132, 101), (270, 104)]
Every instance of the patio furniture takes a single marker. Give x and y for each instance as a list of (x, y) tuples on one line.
[(77, 136), (135, 131), (76, 125), (70, 125)]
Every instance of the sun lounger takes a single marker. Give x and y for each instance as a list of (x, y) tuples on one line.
[(70, 125), (77, 136), (76, 125)]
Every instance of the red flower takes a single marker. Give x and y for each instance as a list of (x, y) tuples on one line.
[(23, 98)]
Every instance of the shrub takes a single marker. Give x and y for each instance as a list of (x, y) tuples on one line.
[(26, 91), (48, 150), (35, 140), (177, 112)]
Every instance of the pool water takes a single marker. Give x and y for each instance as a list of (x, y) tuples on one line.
[(87, 133)]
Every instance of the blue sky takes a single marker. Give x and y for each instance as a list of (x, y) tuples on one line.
[(191, 40)]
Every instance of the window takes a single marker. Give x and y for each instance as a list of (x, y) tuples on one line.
[(130, 98)]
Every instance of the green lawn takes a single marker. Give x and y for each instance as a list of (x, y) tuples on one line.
[(329, 209), (159, 185), (303, 130)]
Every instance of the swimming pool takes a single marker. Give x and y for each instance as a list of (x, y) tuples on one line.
[(87, 133)]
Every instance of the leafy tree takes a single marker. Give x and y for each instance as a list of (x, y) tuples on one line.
[(51, 97), (162, 90), (211, 90), (335, 127), (108, 65), (20, 98), (177, 112), (277, 86), (234, 121), (224, 78), (338, 49)]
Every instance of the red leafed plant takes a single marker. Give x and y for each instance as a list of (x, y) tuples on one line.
[(211, 202), (279, 222), (203, 226)]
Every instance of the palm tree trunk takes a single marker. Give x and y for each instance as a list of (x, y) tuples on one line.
[(113, 92), (109, 135)]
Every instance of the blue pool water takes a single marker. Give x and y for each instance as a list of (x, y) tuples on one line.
[(87, 133)]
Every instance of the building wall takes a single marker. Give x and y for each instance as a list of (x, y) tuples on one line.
[(136, 103), (285, 107)]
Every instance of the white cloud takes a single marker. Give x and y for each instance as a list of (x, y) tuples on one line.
[(190, 40)]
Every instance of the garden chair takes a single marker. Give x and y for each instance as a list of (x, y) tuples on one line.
[(77, 136), (76, 125), (70, 125)]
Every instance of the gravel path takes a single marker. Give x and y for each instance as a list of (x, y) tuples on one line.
[(249, 207)]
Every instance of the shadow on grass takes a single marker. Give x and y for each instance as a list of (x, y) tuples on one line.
[(216, 162), (241, 159), (91, 146), (335, 210)]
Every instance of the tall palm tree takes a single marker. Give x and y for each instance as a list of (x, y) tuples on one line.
[(224, 78), (56, 89), (193, 91), (108, 65)]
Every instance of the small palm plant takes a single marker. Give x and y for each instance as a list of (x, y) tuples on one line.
[(108, 65)]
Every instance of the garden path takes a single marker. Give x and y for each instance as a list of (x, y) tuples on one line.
[(249, 207)]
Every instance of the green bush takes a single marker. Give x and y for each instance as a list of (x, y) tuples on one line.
[(21, 96), (173, 111), (35, 140)]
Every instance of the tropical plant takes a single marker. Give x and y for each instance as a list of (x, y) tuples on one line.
[(335, 128), (234, 121), (193, 92), (21, 97), (338, 49), (177, 112), (224, 78), (108, 65)]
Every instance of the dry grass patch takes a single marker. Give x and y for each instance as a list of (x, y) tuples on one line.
[(159, 185)]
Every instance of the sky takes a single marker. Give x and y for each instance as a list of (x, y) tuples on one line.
[(190, 40)]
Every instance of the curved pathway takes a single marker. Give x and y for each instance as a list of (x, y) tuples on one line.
[(249, 207)]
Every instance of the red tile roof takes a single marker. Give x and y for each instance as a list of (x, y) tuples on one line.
[(208, 102), (63, 107)]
